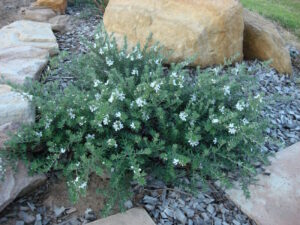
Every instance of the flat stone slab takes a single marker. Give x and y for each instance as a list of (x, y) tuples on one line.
[(19, 63), (16, 184), (135, 216), (29, 33), (275, 200), (14, 108)]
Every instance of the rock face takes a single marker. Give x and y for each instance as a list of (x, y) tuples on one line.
[(209, 29), (14, 108), (29, 33), (17, 183), (30, 60), (262, 41), (57, 5), (276, 198)]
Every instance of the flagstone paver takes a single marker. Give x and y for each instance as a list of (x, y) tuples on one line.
[(275, 200), (29, 33), (135, 216), (14, 108), (19, 63)]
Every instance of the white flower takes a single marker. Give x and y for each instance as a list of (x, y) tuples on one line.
[(215, 121), (97, 36), (222, 109), (217, 70), (77, 179), (145, 116), (83, 185), (109, 62), (116, 94), (39, 134), (231, 128), (215, 141), (93, 108), (258, 97), (117, 125), (176, 162), (174, 83), (140, 102), (139, 56), (157, 61), (118, 114), (96, 83), (95, 45), (71, 114), (90, 136), (235, 71), (62, 150), (156, 86), (132, 126), (245, 121), (193, 98), (97, 96), (226, 90), (213, 81), (135, 72), (174, 74), (240, 106), (112, 142), (132, 58), (82, 121), (183, 116), (106, 119), (112, 97), (101, 52), (193, 143)]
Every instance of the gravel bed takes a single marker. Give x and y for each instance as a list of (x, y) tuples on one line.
[(169, 206)]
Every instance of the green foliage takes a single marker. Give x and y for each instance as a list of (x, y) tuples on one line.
[(285, 12), (128, 116)]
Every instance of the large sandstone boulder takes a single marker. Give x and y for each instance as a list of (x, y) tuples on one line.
[(29, 33), (14, 107), (17, 183), (262, 41), (57, 5), (211, 29), (30, 60)]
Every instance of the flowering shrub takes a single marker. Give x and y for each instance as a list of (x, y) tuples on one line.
[(128, 116)]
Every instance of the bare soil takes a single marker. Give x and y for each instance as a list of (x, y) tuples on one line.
[(9, 10)]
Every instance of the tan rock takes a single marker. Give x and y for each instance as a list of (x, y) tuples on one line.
[(276, 198), (212, 29), (56, 5), (30, 60), (262, 41), (61, 23), (135, 216), (14, 108), (16, 184), (37, 14), (29, 33)]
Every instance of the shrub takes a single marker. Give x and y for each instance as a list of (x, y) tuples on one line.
[(127, 115)]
